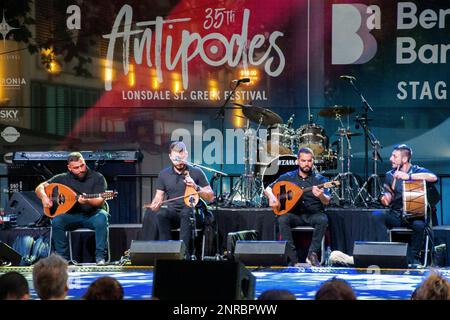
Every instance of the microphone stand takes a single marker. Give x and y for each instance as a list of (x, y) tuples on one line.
[(193, 226), (217, 176), (221, 114), (367, 107)]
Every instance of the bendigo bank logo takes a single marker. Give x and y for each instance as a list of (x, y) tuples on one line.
[(351, 40)]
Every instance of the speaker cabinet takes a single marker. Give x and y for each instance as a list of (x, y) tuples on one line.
[(145, 253), (381, 254), (202, 280), (261, 253), (27, 208), (9, 255)]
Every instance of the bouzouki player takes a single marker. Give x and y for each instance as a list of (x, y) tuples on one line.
[(309, 209), (86, 213)]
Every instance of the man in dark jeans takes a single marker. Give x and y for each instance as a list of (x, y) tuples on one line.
[(172, 181), (86, 213), (308, 211), (393, 197)]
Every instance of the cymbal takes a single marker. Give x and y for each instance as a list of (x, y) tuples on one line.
[(335, 111), (260, 115), (348, 133)]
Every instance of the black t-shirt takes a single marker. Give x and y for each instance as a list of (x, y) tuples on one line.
[(308, 203), (172, 183), (93, 182), (397, 200)]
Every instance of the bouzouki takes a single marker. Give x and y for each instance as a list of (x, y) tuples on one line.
[(64, 198), (289, 193)]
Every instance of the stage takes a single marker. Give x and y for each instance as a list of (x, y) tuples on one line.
[(382, 284)]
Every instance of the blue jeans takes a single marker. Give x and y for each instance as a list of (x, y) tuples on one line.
[(97, 221)]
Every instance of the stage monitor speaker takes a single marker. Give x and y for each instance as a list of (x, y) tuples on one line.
[(8, 255), (27, 208), (202, 280), (145, 253), (381, 254), (261, 253)]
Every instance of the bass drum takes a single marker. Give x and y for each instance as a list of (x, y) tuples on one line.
[(277, 167)]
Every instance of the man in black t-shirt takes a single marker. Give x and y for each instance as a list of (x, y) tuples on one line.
[(393, 196), (86, 213), (172, 182), (308, 211)]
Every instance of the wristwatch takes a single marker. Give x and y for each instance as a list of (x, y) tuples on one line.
[(197, 188)]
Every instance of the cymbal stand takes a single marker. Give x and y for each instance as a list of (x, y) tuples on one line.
[(248, 187), (348, 179), (374, 180)]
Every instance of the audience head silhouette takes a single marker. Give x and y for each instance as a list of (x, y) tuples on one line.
[(335, 289), (434, 287), (104, 288), (50, 278), (274, 294), (14, 286)]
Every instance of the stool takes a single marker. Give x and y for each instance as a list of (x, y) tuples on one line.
[(405, 230), (311, 229), (69, 236)]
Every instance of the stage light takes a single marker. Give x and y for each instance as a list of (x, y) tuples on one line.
[(213, 90), (131, 76), (108, 73), (252, 73), (48, 59)]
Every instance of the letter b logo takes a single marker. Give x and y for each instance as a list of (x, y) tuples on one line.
[(351, 41)]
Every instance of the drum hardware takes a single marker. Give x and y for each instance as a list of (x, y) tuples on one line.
[(349, 183), (260, 115), (374, 181), (247, 191), (364, 121), (336, 111), (221, 115)]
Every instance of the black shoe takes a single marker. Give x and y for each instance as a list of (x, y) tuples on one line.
[(312, 259)]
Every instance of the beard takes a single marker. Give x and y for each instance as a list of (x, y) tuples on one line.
[(81, 176), (305, 170)]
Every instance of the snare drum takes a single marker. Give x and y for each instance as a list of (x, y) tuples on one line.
[(278, 166), (312, 136)]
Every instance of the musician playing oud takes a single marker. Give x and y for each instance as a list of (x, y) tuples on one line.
[(86, 213), (173, 181), (393, 197), (309, 210)]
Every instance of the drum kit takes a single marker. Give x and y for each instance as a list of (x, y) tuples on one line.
[(276, 154)]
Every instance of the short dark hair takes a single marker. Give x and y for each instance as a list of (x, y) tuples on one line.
[(104, 288), (335, 289), (74, 156), (305, 150), (276, 294), (13, 285), (177, 146), (405, 150)]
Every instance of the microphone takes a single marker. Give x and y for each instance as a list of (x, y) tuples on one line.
[(347, 77), (242, 80)]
